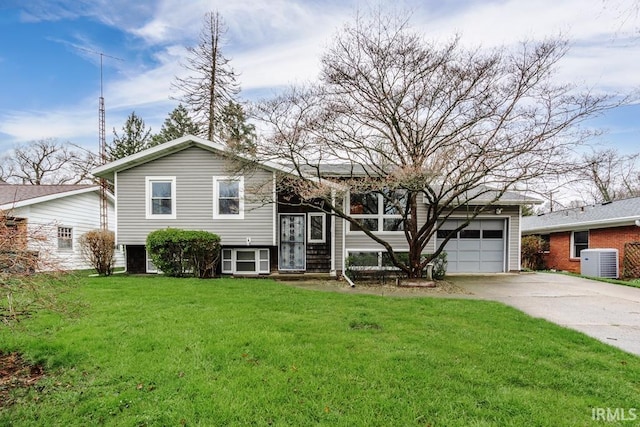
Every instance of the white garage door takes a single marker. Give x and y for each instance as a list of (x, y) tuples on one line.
[(478, 248)]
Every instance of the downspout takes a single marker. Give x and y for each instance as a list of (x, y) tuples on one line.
[(333, 272), (115, 220), (344, 246), (274, 224), (509, 231), (349, 281)]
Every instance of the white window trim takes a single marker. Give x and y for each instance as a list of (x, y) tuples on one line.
[(572, 253), (148, 181), (240, 214), (324, 227), (380, 216), (373, 267), (146, 264), (234, 260), (70, 239)]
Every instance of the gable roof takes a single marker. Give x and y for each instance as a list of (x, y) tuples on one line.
[(108, 170), (612, 214), (18, 195)]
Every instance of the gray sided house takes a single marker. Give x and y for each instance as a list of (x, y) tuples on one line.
[(188, 183)]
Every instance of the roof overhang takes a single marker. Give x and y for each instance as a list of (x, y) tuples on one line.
[(583, 225), (502, 201), (41, 199)]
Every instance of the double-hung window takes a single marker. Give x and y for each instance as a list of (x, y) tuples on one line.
[(228, 197), (378, 211), (161, 197), (579, 241)]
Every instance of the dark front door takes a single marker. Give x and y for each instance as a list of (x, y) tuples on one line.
[(292, 242)]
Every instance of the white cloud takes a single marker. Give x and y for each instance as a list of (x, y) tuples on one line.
[(276, 42), (62, 124)]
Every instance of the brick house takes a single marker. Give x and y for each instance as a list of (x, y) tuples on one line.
[(567, 232)]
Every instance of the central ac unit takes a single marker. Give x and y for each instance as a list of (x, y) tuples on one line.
[(599, 263)]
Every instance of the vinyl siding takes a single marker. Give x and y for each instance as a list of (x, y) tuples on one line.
[(194, 169), (81, 213), (514, 244)]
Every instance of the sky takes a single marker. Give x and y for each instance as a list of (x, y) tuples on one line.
[(50, 53)]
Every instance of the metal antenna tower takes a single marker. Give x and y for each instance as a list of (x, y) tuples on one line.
[(102, 141)]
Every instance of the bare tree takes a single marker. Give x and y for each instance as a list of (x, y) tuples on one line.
[(417, 124), (213, 82), (607, 175), (47, 161), (31, 277)]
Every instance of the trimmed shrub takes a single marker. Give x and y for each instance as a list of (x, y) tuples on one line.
[(98, 247), (181, 253)]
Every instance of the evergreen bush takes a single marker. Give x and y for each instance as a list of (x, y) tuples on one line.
[(181, 253)]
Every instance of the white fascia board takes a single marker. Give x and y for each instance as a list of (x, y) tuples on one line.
[(41, 199), (583, 225)]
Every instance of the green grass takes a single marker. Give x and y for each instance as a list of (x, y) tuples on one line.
[(161, 351), (634, 283)]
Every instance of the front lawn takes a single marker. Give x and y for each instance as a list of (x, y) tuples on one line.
[(162, 351)]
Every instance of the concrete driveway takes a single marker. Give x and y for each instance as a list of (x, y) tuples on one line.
[(609, 313)]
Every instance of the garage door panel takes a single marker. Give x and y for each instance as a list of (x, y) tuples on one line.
[(468, 267), (492, 224), (492, 245), (469, 245), (492, 256), (469, 256), (452, 245), (481, 248), (491, 267)]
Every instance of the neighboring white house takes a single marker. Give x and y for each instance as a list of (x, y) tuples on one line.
[(54, 217)]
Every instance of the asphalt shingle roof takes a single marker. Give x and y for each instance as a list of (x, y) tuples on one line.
[(12, 193), (616, 213)]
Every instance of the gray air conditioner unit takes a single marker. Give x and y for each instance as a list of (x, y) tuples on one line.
[(599, 263)]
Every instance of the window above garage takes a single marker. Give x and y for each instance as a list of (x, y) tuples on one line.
[(379, 212)]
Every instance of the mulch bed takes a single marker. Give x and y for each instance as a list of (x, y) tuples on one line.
[(405, 288), (16, 373)]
